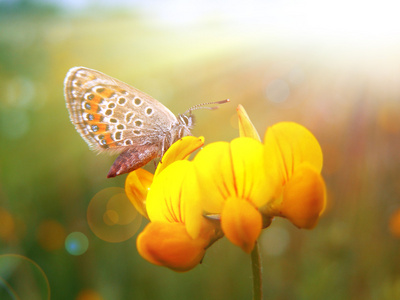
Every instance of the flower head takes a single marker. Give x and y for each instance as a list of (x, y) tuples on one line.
[(178, 234), (247, 183), (238, 187), (299, 163)]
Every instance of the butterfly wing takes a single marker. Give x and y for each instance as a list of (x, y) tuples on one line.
[(113, 116)]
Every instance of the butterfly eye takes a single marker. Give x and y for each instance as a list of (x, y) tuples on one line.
[(188, 121)]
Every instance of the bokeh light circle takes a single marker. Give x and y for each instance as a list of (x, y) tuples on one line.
[(277, 91), (76, 243), (51, 235), (14, 270), (394, 223), (88, 295), (112, 217), (7, 228)]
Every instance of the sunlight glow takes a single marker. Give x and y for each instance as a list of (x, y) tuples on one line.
[(352, 21)]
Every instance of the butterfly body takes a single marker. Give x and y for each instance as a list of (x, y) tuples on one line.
[(115, 117)]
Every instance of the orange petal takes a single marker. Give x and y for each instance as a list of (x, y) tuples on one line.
[(137, 185), (246, 127), (241, 222), (304, 197), (168, 244), (179, 150)]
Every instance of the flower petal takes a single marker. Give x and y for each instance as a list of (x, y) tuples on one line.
[(174, 197), (251, 181), (241, 222), (137, 185), (169, 244), (214, 172), (179, 150), (304, 197), (246, 127), (292, 144), (234, 170)]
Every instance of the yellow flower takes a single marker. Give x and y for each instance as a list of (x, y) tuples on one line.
[(178, 234), (235, 185), (299, 163), (239, 186), (247, 183)]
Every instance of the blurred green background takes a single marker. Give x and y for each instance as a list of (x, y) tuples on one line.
[(333, 67)]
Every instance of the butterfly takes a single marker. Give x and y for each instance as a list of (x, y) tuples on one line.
[(114, 117)]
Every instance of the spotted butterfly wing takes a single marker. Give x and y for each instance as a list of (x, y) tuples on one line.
[(115, 117)]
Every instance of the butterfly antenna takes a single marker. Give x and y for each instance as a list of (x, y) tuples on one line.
[(204, 106)]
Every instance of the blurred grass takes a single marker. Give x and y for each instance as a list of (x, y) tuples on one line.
[(348, 99)]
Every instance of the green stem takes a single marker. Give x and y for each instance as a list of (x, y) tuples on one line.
[(257, 273)]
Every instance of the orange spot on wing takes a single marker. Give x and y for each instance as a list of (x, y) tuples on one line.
[(102, 128), (106, 93), (110, 142), (96, 99), (93, 108), (96, 118)]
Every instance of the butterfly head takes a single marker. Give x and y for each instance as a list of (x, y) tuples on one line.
[(187, 120)]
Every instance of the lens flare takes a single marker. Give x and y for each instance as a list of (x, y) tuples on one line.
[(7, 228), (51, 235), (112, 217), (89, 295), (14, 270), (76, 243), (277, 91)]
